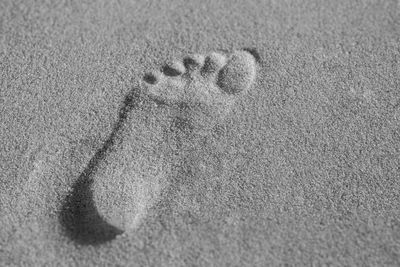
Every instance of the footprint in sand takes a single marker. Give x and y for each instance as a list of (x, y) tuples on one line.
[(131, 173)]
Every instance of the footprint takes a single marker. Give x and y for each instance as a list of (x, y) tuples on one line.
[(128, 178)]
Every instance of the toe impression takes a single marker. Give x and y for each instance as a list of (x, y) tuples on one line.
[(194, 61), (174, 68), (213, 63), (238, 74)]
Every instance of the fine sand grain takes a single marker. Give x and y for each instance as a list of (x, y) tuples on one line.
[(303, 169)]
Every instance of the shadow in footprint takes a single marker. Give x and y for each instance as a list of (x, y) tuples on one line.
[(254, 53), (79, 216)]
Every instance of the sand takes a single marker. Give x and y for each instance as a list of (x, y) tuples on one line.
[(304, 170)]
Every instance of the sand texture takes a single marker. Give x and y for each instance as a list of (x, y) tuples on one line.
[(199, 133)]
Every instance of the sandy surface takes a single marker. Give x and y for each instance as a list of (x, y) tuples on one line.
[(304, 171)]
